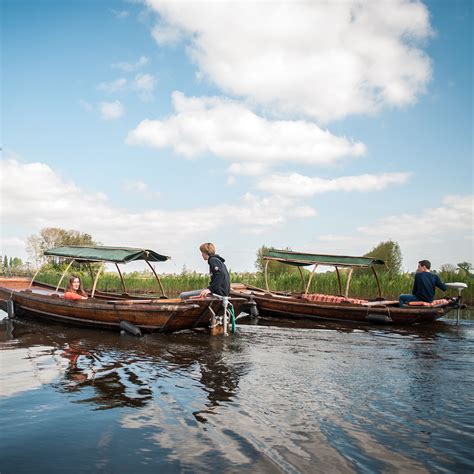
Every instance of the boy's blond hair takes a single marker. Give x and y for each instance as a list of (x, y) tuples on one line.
[(208, 248)]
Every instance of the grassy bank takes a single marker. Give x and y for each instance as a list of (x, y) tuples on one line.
[(362, 285)]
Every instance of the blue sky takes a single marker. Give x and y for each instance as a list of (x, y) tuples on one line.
[(322, 127)]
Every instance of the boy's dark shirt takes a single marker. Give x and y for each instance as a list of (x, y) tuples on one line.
[(220, 279), (425, 285)]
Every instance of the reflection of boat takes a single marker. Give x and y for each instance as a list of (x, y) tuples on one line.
[(340, 308), (109, 371), (106, 310)]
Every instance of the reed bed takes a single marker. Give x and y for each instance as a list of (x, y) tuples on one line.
[(362, 285)]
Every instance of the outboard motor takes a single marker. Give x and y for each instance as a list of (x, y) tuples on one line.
[(457, 285)]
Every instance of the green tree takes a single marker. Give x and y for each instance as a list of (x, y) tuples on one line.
[(274, 268), (391, 254), (16, 262), (51, 237), (465, 267), (448, 268), (5, 262)]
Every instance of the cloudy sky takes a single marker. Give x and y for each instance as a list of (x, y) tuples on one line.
[(320, 126)]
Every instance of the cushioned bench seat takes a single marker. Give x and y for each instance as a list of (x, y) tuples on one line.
[(433, 303), (320, 298)]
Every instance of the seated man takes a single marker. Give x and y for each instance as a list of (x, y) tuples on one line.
[(424, 286)]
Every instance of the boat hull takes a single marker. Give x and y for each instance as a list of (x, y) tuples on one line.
[(275, 305), (150, 315)]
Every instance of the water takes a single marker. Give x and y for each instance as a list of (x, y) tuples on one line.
[(280, 398)]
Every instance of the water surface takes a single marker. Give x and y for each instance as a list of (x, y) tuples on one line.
[(272, 398)]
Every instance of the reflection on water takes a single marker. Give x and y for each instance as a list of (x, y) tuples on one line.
[(283, 397)]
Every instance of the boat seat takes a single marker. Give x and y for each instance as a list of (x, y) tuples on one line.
[(321, 298), (433, 303)]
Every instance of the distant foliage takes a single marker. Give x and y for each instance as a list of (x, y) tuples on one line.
[(465, 267), (51, 237), (9, 265), (460, 271), (391, 254), (274, 268), (448, 268)]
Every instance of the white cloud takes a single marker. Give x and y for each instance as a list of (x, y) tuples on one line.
[(163, 33), (121, 14), (139, 187), (130, 67), (59, 203), (231, 131), (144, 84), (113, 86), (323, 59), (86, 105), (297, 185), (443, 234), (15, 246), (111, 110), (248, 169), (231, 181), (456, 214)]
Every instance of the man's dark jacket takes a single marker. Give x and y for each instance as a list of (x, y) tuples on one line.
[(425, 286), (220, 280)]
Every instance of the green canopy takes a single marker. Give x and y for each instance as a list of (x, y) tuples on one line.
[(106, 254), (304, 259)]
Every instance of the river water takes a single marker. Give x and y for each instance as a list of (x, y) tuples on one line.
[(272, 398)]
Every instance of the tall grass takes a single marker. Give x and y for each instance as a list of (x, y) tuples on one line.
[(362, 285)]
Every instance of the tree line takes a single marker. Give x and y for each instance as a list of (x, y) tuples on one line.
[(51, 237), (11, 263)]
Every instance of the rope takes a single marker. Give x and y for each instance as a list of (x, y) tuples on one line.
[(232, 317)]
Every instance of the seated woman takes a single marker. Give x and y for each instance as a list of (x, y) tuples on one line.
[(74, 289)]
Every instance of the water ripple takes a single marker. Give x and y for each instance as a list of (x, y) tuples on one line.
[(268, 399)]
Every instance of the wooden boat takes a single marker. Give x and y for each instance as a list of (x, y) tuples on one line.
[(24, 297), (339, 308)]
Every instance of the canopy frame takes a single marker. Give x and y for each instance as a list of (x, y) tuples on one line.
[(64, 273), (157, 279), (310, 278), (116, 255), (121, 279), (338, 261)]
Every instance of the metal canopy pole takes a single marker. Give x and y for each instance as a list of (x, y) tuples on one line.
[(339, 280), (64, 273), (90, 271), (266, 276), (157, 278), (377, 280), (346, 294), (310, 279), (36, 274), (302, 278), (95, 281), (121, 278)]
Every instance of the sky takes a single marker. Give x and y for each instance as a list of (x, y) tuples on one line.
[(325, 127)]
